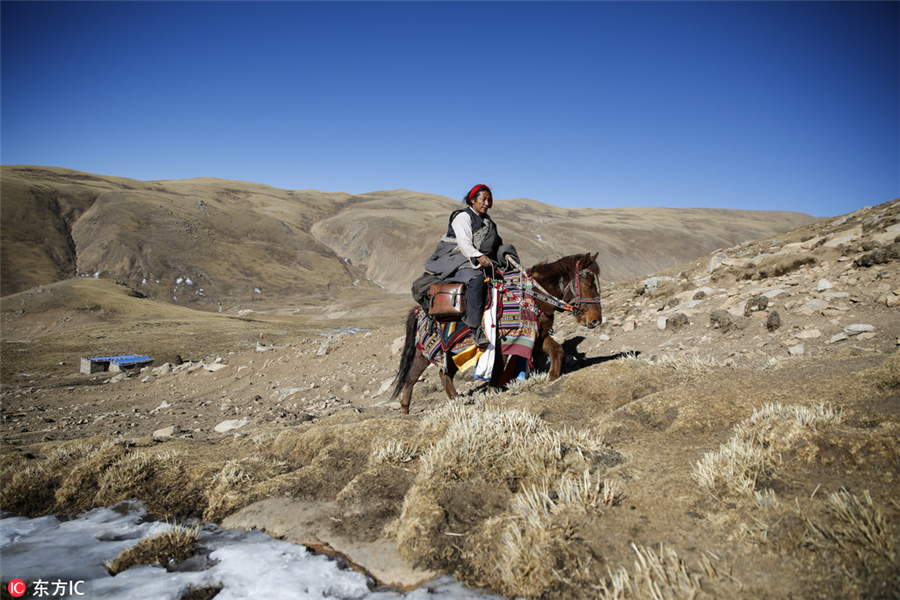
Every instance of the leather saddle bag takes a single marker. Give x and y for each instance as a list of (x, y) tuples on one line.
[(448, 301)]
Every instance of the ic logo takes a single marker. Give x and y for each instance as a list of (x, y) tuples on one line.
[(17, 588)]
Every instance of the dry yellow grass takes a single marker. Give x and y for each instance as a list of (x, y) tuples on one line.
[(234, 485), (507, 499), (173, 545), (753, 452)]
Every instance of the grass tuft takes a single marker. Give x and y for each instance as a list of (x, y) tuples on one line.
[(856, 525), (657, 575), (518, 386), (689, 366), (498, 444), (233, 485), (753, 453), (394, 452), (171, 546)]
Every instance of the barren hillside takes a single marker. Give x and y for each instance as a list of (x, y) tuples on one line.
[(731, 430), (226, 246)]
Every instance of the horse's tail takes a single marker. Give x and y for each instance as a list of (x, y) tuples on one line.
[(408, 355)]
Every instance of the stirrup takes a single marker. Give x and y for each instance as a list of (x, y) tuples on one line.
[(481, 340)]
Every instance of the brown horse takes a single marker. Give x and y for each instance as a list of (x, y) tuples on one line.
[(572, 284)]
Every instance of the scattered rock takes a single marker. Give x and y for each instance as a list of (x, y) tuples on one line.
[(808, 334), (774, 293), (881, 256), (290, 391), (163, 369), (171, 359), (773, 321), (166, 432), (326, 346), (823, 285), (858, 328), (652, 283), (892, 300), (678, 321), (756, 303), (776, 266), (231, 424), (813, 306), (843, 239), (117, 378), (716, 261), (722, 319)]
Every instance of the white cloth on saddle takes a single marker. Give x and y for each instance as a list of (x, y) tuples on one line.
[(485, 365)]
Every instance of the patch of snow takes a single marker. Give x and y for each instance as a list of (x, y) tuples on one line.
[(246, 564)]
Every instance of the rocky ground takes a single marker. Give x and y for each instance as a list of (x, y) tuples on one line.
[(830, 288), (825, 297)]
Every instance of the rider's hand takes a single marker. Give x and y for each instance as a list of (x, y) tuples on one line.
[(484, 261)]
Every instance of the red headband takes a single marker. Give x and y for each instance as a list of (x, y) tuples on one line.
[(474, 191)]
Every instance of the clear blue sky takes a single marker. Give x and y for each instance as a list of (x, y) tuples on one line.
[(757, 105)]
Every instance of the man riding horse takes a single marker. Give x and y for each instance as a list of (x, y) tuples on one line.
[(470, 245), (524, 301)]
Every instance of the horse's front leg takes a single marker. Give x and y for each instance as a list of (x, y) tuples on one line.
[(555, 353)]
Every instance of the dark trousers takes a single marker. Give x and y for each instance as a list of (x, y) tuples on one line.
[(476, 296)]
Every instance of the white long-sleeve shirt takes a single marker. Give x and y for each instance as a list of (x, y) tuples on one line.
[(462, 227)]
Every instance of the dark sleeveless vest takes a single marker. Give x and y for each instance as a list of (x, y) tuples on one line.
[(447, 259)]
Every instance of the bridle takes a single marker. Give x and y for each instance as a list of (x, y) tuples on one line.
[(574, 288)]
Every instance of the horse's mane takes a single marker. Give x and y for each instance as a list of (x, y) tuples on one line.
[(566, 266), (552, 275)]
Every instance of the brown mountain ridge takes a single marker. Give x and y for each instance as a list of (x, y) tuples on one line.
[(226, 245)]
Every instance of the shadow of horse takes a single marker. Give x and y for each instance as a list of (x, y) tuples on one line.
[(577, 360)]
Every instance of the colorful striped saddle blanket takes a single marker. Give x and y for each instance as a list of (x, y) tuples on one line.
[(517, 328)]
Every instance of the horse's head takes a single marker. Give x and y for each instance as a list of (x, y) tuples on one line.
[(575, 280), (584, 291)]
